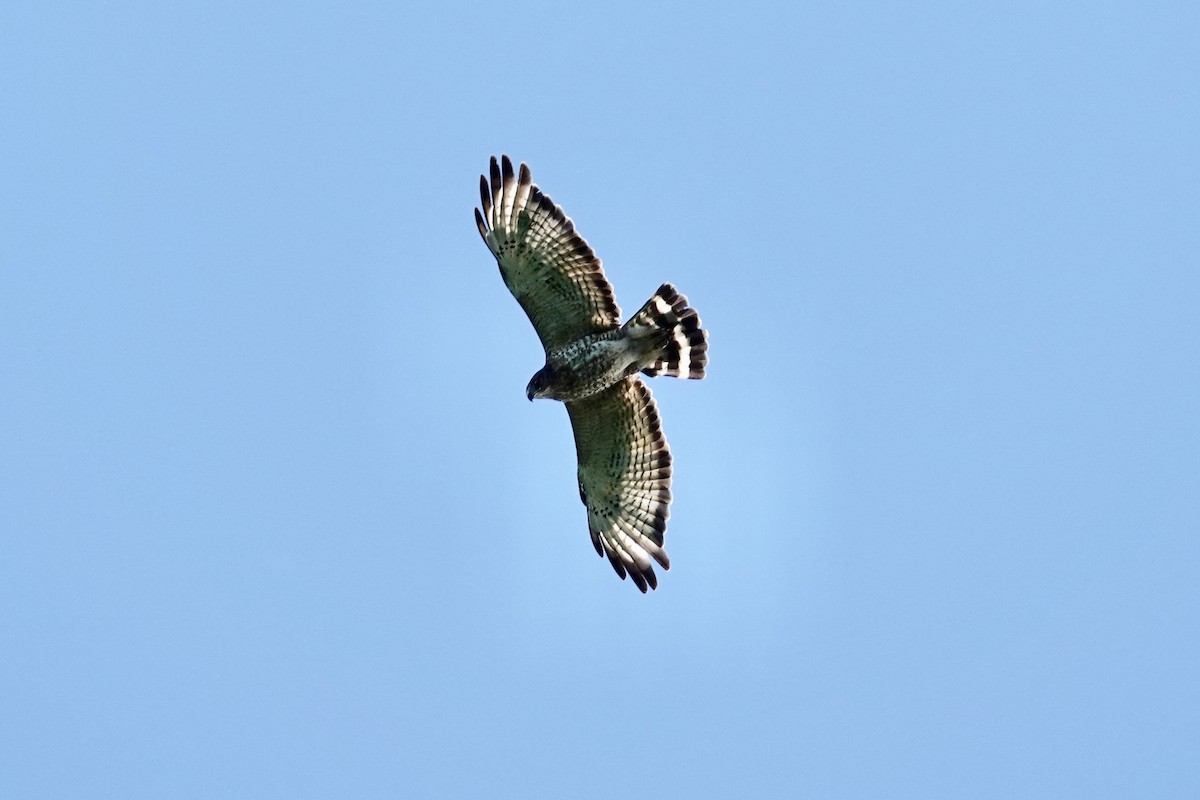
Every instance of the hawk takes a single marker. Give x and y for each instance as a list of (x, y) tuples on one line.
[(592, 365)]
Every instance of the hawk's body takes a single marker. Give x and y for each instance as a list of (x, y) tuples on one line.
[(588, 364), (592, 365)]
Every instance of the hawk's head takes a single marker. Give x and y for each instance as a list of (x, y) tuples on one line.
[(539, 384)]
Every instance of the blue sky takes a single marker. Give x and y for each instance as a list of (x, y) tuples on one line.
[(278, 520)]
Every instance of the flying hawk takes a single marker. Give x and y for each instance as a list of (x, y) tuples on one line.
[(592, 365)]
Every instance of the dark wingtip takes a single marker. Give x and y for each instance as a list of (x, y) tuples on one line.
[(651, 578), (485, 195), (616, 563), (479, 224), (494, 172), (638, 579)]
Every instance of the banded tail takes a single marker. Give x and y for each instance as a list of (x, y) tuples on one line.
[(679, 344)]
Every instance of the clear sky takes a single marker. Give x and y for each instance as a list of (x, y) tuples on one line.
[(278, 521)]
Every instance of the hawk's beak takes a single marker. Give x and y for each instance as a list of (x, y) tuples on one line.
[(529, 394)]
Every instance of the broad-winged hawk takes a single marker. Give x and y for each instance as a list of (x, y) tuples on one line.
[(592, 365)]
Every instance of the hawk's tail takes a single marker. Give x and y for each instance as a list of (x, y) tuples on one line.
[(678, 345)]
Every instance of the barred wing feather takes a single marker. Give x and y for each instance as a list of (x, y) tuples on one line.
[(624, 477), (547, 266)]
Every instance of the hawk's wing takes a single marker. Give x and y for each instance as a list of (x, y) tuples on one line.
[(547, 266), (624, 477)]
